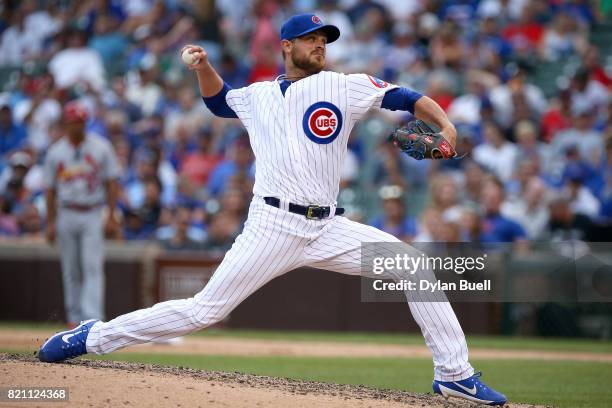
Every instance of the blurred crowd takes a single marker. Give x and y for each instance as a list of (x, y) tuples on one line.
[(538, 167)]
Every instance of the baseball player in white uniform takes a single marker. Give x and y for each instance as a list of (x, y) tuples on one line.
[(298, 125), (81, 172)]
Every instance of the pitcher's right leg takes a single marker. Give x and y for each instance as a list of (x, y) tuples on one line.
[(266, 249), (262, 252)]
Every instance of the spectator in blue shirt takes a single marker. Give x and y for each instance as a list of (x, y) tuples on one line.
[(496, 227), (12, 135)]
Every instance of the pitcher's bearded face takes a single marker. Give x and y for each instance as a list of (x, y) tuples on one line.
[(308, 52)]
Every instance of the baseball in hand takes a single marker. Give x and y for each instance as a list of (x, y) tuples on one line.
[(188, 57)]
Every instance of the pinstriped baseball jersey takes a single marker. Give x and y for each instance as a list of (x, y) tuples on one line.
[(300, 139)]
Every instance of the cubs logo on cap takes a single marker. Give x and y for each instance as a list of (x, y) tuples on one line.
[(303, 24), (379, 83), (322, 122)]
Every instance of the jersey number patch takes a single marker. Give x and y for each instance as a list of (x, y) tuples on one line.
[(322, 122)]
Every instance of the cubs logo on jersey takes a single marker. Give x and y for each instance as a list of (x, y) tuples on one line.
[(379, 83), (322, 122)]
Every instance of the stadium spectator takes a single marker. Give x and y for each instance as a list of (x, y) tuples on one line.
[(445, 196), (496, 227), (181, 234), (330, 12), (592, 62), (141, 221), (528, 144), (13, 136), (365, 52), (496, 153), (233, 71), (581, 199), (517, 99), (23, 166), (563, 38), (238, 166), (473, 180), (109, 42), (465, 109), (582, 135), (489, 35), (394, 219), (190, 113), (558, 115), (30, 221), (428, 225), (235, 203), (19, 43), (184, 144), (587, 91), (222, 231), (401, 53), (470, 224), (446, 47), (529, 209), (143, 89), (199, 164), (76, 64), (39, 110), (525, 34), (565, 224)]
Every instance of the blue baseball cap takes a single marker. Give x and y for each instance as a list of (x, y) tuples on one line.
[(303, 24)]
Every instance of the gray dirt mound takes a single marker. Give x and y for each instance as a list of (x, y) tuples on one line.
[(229, 389)]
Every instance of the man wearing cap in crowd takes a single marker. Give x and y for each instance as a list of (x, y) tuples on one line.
[(81, 172)]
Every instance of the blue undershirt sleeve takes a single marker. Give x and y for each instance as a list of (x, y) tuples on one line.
[(218, 105), (400, 99)]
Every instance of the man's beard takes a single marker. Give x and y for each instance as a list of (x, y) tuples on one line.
[(308, 65)]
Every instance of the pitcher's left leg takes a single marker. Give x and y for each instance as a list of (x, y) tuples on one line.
[(338, 249)]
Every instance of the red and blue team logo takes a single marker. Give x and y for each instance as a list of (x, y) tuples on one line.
[(322, 122), (316, 20), (379, 83)]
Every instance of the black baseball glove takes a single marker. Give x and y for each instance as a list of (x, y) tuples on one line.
[(419, 140)]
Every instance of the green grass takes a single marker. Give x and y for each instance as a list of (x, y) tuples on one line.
[(495, 342), (562, 383), (476, 341)]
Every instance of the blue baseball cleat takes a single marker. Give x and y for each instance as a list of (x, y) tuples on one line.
[(470, 389), (66, 344)]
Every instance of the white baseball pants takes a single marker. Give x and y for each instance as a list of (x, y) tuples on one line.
[(272, 243)]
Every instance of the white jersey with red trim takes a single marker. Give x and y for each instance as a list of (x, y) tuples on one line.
[(300, 139)]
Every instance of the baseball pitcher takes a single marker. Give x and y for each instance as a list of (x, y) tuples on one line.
[(299, 125)]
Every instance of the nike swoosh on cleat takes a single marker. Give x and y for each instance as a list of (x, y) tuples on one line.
[(66, 337), (471, 391)]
